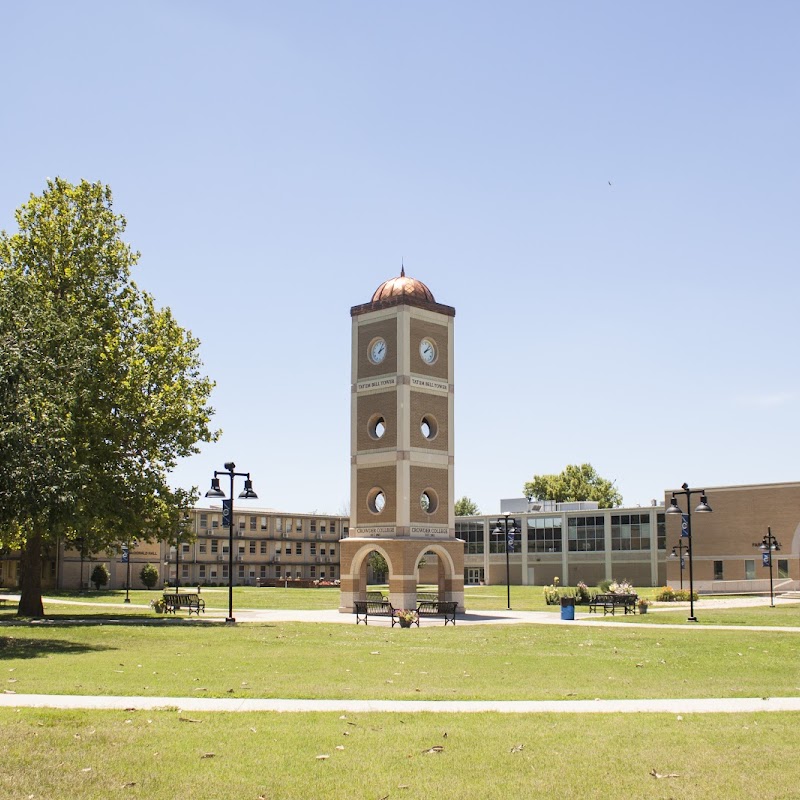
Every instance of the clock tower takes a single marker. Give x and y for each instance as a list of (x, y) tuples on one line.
[(401, 490)]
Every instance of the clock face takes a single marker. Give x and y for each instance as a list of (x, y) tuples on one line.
[(377, 351), (427, 351)]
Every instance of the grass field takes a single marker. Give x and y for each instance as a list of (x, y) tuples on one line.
[(111, 649), (163, 755)]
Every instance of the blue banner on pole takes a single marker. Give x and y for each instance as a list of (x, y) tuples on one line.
[(766, 559), (685, 525), (683, 563), (124, 554), (510, 542), (227, 507)]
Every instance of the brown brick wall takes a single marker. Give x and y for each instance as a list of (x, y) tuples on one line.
[(438, 334), (423, 478), (367, 405), (386, 478), (386, 328), (740, 517), (421, 404)]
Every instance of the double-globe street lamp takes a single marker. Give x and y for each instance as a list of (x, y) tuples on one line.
[(681, 549), (227, 514), (686, 529), (768, 545), (509, 528)]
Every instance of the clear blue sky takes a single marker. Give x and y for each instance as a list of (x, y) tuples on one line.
[(277, 160)]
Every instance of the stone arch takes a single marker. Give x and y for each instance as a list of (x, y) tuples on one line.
[(402, 556)]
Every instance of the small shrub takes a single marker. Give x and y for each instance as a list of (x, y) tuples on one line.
[(666, 594), (148, 576), (683, 594), (603, 586), (551, 595), (582, 593), (100, 576)]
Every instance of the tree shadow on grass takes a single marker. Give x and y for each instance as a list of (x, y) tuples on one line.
[(69, 619), (21, 647)]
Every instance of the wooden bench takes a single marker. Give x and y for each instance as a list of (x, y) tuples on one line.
[(371, 608), (437, 608), (192, 602), (611, 602)]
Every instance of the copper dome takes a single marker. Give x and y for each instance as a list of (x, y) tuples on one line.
[(403, 287)]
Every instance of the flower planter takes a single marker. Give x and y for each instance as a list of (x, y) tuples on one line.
[(404, 623)]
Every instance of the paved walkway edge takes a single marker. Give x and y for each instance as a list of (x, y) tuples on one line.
[(662, 706)]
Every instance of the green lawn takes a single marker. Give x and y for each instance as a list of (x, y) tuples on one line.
[(782, 616), (179, 657), (163, 755)]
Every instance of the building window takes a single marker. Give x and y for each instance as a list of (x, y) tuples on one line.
[(322, 551), (241, 523), (202, 547), (718, 572), (345, 530), (185, 572), (253, 547), (278, 526), (313, 572), (263, 523), (202, 572), (333, 526), (332, 551), (263, 572), (544, 534), (333, 572), (783, 567), (298, 549), (313, 548), (185, 548), (586, 534), (630, 532), (252, 523), (472, 534), (322, 574), (749, 569), (241, 549), (214, 546), (224, 570), (214, 522), (313, 526), (224, 547), (263, 549), (277, 572), (204, 520), (278, 549), (241, 571), (661, 531), (322, 527), (298, 525)]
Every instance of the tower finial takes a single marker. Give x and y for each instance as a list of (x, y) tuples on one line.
[(402, 269)]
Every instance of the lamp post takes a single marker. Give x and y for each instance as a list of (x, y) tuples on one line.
[(81, 543), (509, 536), (686, 530), (227, 513), (768, 545), (681, 548), (126, 556)]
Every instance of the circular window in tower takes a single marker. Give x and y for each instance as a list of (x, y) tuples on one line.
[(429, 501), (377, 426), (429, 427), (376, 500)]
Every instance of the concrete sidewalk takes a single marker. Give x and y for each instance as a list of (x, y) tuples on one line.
[(735, 705)]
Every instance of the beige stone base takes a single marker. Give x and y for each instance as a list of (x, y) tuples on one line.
[(402, 556)]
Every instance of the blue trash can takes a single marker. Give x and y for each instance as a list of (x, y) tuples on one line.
[(567, 608)]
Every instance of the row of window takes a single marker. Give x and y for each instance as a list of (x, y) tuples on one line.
[(210, 521), (584, 534), (749, 570), (221, 546), (212, 572)]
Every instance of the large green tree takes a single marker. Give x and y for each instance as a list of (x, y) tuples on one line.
[(465, 507), (576, 482), (100, 391)]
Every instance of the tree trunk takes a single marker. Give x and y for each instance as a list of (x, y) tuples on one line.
[(30, 600)]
